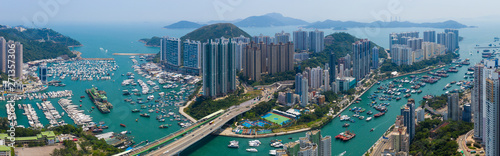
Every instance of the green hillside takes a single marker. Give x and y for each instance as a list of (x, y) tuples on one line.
[(214, 31), (342, 45), (40, 43)]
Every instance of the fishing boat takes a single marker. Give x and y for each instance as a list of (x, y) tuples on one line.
[(379, 114), (345, 136), (163, 126), (371, 130), (135, 110), (345, 125), (145, 115), (97, 130)]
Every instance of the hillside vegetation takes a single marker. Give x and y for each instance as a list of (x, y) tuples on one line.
[(40, 43)]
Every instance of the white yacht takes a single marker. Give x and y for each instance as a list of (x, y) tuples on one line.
[(233, 144), (369, 118), (252, 150), (254, 143), (272, 152)]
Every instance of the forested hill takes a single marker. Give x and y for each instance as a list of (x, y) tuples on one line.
[(341, 45), (40, 43)]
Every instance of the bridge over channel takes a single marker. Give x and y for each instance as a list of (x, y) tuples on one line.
[(191, 134)]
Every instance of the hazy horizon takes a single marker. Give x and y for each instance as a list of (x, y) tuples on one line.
[(47, 12)]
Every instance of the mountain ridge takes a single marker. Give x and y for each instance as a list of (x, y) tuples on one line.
[(327, 24)]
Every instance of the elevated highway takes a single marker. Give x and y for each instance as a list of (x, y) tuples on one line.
[(192, 134)]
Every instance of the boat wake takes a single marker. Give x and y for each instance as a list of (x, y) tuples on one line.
[(103, 50), (342, 154), (379, 124)]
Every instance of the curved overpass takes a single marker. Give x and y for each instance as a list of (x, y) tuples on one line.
[(191, 134)]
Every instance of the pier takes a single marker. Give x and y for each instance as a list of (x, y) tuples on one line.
[(132, 54), (97, 59), (492, 47)]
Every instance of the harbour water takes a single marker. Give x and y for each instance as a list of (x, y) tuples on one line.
[(123, 39), (216, 145)]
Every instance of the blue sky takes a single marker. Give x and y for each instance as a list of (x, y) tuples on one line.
[(169, 11)]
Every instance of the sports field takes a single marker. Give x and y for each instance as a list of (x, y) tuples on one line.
[(275, 118)]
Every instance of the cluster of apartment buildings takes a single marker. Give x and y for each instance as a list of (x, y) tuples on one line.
[(313, 144), (407, 48), (171, 54), (11, 58), (221, 59), (486, 105), (309, 41)]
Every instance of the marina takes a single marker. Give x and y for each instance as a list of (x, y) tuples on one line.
[(214, 144), (52, 114), (430, 86), (32, 116), (78, 116)]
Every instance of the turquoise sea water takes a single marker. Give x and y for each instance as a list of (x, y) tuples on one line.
[(123, 38)]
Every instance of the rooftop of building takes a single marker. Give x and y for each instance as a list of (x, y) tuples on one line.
[(4, 148), (3, 135)]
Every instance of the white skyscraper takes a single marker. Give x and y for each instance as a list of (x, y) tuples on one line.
[(491, 112), (304, 97), (316, 78), (477, 101), (326, 80)]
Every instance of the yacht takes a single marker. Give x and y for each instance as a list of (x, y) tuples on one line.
[(369, 118), (233, 144), (254, 143), (272, 152), (252, 150), (277, 144), (151, 97)]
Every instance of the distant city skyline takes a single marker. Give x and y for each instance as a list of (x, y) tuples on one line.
[(68, 11)]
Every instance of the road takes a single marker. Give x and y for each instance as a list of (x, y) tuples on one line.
[(462, 140), (381, 146), (178, 146)]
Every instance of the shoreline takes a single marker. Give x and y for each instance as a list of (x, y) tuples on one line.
[(145, 43), (334, 116), (379, 140), (299, 130)]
